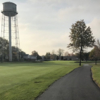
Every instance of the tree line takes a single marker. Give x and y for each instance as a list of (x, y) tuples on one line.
[(17, 53), (81, 37)]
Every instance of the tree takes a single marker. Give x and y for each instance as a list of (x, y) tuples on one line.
[(22, 54), (47, 56), (84, 55), (4, 47), (60, 53), (92, 54), (35, 53), (53, 56), (66, 53), (4, 50), (81, 37), (95, 52), (16, 53)]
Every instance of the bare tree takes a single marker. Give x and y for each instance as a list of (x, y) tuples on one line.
[(97, 51), (60, 53), (53, 55), (66, 53)]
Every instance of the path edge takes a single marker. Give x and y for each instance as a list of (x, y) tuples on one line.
[(54, 82), (96, 84)]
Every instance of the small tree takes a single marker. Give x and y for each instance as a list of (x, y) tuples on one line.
[(53, 55), (35, 53), (60, 53), (66, 53), (15, 53), (4, 47), (81, 37), (22, 54), (95, 52), (84, 55), (48, 56)]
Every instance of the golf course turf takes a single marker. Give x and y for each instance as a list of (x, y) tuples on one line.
[(27, 80), (96, 73)]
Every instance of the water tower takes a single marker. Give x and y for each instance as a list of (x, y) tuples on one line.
[(9, 27)]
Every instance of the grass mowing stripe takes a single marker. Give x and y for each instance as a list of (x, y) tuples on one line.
[(16, 77), (30, 89)]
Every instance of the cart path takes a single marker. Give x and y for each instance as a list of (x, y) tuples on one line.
[(77, 85)]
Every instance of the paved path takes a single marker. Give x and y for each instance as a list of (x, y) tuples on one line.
[(77, 85)]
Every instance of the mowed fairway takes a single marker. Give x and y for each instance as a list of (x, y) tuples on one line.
[(25, 81), (96, 73)]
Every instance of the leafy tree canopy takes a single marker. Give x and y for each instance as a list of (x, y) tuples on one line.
[(95, 52), (35, 53), (80, 35)]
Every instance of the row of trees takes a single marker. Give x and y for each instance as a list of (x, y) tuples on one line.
[(49, 55), (58, 55), (4, 51), (53, 55), (81, 37)]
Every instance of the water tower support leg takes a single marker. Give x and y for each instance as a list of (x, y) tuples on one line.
[(10, 48)]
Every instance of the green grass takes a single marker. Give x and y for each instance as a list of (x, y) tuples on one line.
[(25, 81), (96, 73), (87, 62)]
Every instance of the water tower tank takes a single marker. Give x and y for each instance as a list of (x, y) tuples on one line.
[(9, 9)]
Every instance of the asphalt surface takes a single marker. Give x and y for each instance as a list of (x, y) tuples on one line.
[(77, 85)]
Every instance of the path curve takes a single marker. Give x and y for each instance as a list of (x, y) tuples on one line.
[(77, 85)]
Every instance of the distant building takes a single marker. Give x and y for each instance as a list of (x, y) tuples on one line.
[(30, 57), (70, 58)]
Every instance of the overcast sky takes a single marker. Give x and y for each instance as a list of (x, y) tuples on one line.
[(44, 25)]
